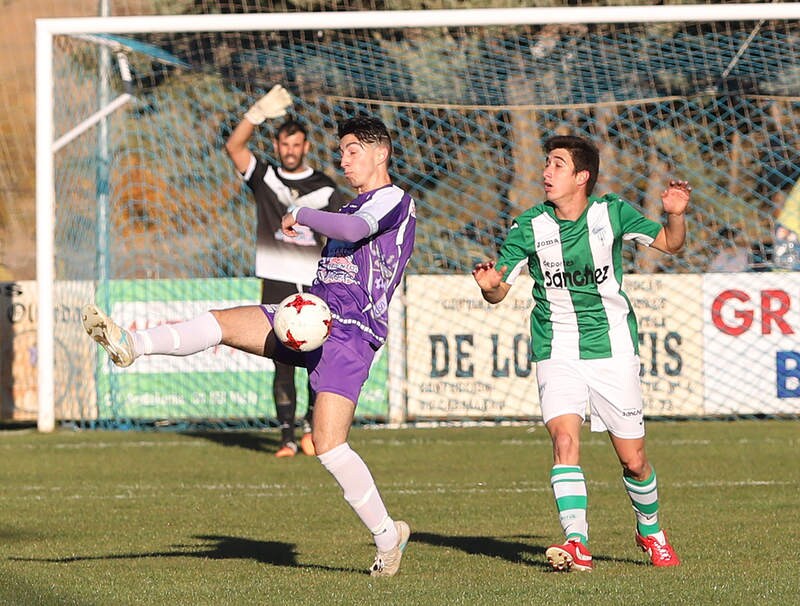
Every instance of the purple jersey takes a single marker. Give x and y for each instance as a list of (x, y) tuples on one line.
[(358, 279)]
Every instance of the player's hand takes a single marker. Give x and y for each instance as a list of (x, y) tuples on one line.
[(271, 105), (676, 197), (487, 277), (287, 225)]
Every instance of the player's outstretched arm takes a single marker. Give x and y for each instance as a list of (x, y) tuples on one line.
[(336, 226), (675, 200), (271, 105), (491, 282), (236, 145)]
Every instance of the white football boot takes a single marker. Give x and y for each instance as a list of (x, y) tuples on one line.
[(117, 341)]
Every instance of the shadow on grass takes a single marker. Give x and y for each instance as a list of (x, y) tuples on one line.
[(513, 549), (248, 440), (213, 547), (522, 549)]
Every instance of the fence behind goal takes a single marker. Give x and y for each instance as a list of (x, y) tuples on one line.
[(152, 221)]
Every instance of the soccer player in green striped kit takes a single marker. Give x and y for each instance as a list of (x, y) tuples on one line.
[(584, 337)]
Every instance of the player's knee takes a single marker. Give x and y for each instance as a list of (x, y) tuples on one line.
[(566, 447), (636, 467), (323, 443)]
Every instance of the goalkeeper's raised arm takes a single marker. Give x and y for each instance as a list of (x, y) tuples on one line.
[(272, 105)]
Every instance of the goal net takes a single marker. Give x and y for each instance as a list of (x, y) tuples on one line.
[(141, 210)]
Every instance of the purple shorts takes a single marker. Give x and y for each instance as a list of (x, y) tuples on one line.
[(340, 366)]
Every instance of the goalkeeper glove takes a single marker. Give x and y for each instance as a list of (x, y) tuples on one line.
[(271, 105)]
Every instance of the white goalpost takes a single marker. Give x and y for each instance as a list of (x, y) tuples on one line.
[(464, 145)]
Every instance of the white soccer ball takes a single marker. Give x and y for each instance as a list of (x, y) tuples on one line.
[(303, 322)]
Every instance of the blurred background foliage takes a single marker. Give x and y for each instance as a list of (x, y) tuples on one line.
[(471, 107)]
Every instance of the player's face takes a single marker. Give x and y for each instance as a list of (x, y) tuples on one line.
[(292, 150), (363, 163), (561, 181)]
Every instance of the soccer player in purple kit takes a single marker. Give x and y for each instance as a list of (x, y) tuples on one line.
[(370, 241)]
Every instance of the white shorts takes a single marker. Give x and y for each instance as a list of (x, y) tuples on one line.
[(610, 386)]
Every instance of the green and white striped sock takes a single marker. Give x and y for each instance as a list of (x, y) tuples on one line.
[(569, 488), (644, 498)]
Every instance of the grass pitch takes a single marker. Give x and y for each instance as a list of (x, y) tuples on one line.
[(213, 518)]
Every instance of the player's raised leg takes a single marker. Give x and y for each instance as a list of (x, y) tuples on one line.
[(246, 328), (333, 416)]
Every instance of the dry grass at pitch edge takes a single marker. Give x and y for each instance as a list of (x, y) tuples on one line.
[(157, 518)]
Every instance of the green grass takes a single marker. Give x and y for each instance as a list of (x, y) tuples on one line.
[(164, 518)]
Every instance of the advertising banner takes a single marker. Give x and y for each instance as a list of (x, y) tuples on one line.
[(752, 350), (74, 362), (670, 318), (467, 358), (714, 344), (219, 383)]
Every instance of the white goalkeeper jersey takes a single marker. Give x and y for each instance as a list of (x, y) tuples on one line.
[(580, 310)]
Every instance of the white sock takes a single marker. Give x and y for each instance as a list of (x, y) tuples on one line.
[(181, 339), (360, 491)]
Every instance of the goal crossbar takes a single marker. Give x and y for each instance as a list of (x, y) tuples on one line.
[(421, 18)]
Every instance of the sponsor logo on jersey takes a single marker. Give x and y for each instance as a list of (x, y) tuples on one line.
[(338, 269), (599, 232), (340, 248), (547, 243), (576, 277)]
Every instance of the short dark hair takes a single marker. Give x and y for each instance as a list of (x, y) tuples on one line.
[(291, 127), (367, 129), (584, 153)]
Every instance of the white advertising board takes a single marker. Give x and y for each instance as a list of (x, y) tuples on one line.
[(467, 358), (752, 351), (75, 393), (670, 317)]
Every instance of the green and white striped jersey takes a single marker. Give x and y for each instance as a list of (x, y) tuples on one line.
[(580, 311)]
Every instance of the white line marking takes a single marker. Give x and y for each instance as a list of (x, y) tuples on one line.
[(285, 491)]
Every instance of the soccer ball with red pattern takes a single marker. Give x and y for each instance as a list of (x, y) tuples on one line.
[(303, 322)]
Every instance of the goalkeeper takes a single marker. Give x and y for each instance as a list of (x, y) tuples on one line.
[(285, 265), (583, 333)]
